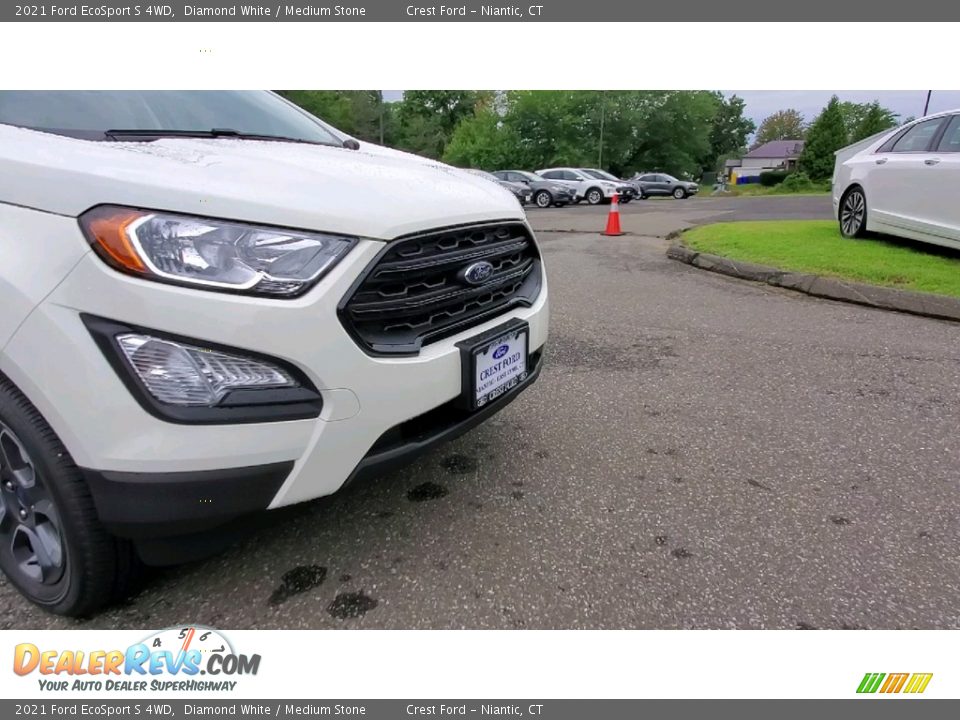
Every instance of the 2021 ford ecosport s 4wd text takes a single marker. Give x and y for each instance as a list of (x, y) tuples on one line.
[(213, 304)]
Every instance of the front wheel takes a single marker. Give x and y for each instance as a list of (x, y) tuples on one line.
[(853, 214), (594, 196), (543, 199), (53, 548), (679, 193)]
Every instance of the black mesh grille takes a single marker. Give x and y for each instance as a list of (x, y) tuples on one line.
[(413, 294)]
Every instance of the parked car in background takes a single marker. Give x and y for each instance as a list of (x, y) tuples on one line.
[(522, 192), (653, 184), (545, 192), (586, 187), (629, 191), (213, 305), (905, 182)]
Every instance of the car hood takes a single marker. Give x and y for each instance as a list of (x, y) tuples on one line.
[(372, 192)]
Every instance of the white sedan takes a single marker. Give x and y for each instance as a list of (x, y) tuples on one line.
[(905, 182)]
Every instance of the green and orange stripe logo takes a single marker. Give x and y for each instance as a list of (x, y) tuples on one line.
[(913, 683)]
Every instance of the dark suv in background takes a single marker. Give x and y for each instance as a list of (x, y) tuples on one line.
[(652, 184), (545, 192)]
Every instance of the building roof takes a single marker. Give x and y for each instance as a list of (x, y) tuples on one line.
[(777, 149)]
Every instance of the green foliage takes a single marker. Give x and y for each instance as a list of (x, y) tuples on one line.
[(782, 125), (865, 119), (769, 178), (872, 119), (361, 113), (428, 118), (479, 141), (679, 132), (826, 135), (729, 131), (797, 182)]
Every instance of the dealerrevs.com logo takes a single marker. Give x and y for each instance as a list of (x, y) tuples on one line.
[(178, 659), (892, 683)]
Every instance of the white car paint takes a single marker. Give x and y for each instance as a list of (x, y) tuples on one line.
[(579, 181), (911, 194), (49, 275)]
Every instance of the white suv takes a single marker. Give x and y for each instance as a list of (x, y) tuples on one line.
[(214, 304), (586, 187)]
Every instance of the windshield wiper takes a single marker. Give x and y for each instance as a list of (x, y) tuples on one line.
[(212, 133)]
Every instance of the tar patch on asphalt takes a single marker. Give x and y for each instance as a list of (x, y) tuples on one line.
[(298, 580), (427, 491), (681, 553), (351, 605), (839, 520), (460, 464)]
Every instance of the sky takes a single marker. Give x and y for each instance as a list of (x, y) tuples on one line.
[(761, 103)]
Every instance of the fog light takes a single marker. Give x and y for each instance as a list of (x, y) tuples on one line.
[(181, 374)]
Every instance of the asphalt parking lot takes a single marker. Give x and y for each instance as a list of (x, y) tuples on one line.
[(699, 452)]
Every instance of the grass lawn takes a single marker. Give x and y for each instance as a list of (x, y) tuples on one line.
[(816, 246)]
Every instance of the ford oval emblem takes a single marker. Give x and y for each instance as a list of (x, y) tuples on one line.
[(501, 351), (476, 273)]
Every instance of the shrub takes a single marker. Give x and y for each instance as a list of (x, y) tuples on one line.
[(797, 182), (769, 178)]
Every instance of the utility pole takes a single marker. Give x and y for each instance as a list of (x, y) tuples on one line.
[(603, 105), (926, 105), (380, 94)]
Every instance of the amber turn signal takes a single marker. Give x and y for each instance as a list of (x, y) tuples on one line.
[(106, 229)]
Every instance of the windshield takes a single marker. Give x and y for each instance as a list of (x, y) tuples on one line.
[(90, 113), (532, 177), (600, 174)]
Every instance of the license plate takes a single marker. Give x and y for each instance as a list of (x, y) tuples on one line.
[(495, 363)]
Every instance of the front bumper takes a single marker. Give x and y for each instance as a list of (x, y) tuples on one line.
[(212, 472), (183, 515)]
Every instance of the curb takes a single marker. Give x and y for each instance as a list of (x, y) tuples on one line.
[(914, 303)]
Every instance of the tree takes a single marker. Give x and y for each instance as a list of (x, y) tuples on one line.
[(782, 125), (730, 130), (872, 119), (826, 135), (356, 112), (481, 141), (428, 118)]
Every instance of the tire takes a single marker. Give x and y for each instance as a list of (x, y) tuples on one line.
[(53, 548), (679, 193), (594, 196), (626, 200), (853, 213), (543, 199)]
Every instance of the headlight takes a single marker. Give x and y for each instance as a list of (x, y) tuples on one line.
[(212, 254)]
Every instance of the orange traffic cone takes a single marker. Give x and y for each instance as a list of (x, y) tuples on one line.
[(613, 218)]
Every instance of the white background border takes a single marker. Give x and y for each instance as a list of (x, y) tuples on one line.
[(404, 56), (381, 664)]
